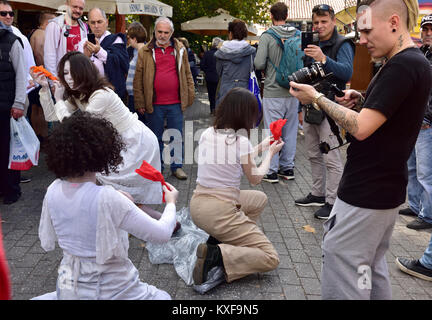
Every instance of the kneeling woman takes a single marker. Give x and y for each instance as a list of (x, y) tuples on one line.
[(218, 206), (82, 88), (90, 222)]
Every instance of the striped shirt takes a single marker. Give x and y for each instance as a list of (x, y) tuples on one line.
[(131, 73)]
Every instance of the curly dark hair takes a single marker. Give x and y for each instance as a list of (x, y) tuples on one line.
[(86, 76), (279, 11), (238, 29), (237, 110), (83, 143)]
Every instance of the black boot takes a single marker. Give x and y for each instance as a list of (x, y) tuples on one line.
[(213, 241), (208, 256)]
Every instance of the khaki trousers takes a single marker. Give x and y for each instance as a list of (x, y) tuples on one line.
[(245, 248)]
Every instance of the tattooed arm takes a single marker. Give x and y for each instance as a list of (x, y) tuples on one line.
[(360, 125)]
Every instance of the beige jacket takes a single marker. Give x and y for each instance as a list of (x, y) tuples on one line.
[(143, 84)]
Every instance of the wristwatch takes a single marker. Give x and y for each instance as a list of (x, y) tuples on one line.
[(315, 100)]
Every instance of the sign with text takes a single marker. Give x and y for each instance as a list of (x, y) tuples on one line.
[(149, 8)]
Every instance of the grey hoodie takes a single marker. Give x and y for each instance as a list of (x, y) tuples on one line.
[(17, 58), (234, 62), (269, 49)]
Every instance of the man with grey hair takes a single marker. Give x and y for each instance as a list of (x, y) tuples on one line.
[(164, 88), (108, 53), (208, 65)]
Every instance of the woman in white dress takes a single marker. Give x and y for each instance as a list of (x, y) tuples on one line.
[(80, 87), (91, 222)]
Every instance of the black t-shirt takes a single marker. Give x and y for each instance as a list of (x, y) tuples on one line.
[(375, 174)]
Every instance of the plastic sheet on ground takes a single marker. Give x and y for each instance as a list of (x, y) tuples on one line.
[(181, 249)]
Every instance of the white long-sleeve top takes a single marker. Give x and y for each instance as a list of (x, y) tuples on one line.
[(103, 102), (28, 52), (93, 222)]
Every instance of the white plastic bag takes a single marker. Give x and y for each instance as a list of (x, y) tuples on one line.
[(24, 145)]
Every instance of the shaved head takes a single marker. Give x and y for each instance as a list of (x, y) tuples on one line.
[(407, 10)]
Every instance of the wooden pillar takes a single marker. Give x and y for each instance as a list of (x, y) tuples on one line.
[(120, 20)]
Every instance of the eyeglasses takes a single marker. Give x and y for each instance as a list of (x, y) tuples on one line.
[(5, 13), (322, 7)]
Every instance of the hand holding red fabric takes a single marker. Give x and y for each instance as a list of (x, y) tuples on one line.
[(147, 171), (276, 129)]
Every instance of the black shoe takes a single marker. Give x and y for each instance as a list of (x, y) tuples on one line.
[(286, 174), (24, 179), (11, 199), (208, 256), (272, 177), (419, 224), (407, 212), (310, 200), (324, 211), (414, 268)]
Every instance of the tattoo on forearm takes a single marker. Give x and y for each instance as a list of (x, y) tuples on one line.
[(346, 118)]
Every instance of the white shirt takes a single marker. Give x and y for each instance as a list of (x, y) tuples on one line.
[(28, 52), (219, 156)]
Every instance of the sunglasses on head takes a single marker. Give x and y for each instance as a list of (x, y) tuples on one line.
[(5, 13), (322, 7)]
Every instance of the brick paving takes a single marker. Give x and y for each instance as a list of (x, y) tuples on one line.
[(34, 271)]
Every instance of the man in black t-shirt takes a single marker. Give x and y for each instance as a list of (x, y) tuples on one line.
[(373, 184)]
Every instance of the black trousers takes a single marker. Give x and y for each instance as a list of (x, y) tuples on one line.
[(211, 88), (9, 179)]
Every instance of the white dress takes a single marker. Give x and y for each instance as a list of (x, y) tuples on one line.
[(91, 225), (141, 142)]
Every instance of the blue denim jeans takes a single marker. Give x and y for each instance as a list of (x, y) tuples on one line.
[(174, 117), (426, 259), (420, 176)]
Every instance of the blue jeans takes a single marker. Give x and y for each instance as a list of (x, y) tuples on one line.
[(420, 176), (426, 260), (174, 117)]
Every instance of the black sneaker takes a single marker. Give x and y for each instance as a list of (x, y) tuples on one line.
[(324, 211), (11, 199), (208, 256), (24, 179), (414, 268), (310, 200), (407, 212), (272, 177), (286, 174), (419, 224)]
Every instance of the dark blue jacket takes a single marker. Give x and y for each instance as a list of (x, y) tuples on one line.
[(208, 65), (117, 63)]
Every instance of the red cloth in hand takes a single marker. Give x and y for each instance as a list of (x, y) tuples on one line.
[(5, 287), (276, 129), (147, 171)]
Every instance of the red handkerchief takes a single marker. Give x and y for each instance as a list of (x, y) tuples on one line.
[(276, 128), (5, 285), (149, 172)]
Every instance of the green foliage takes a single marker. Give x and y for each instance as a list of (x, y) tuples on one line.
[(251, 11)]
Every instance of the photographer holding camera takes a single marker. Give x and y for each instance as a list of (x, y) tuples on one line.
[(336, 54), (373, 185)]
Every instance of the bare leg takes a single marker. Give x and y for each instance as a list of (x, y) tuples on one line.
[(151, 212)]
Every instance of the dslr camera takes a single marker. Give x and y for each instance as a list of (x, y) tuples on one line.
[(314, 75)]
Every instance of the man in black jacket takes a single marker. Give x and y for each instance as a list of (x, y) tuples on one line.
[(12, 98), (208, 65), (109, 54), (336, 53)]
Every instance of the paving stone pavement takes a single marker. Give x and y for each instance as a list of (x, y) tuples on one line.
[(34, 271)]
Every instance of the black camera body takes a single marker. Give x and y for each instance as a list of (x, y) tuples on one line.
[(314, 76)]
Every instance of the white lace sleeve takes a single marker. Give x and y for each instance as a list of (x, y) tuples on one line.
[(47, 234), (119, 216), (55, 112)]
